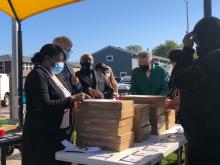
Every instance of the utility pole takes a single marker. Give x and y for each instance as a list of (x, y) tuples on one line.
[(207, 8), (187, 16)]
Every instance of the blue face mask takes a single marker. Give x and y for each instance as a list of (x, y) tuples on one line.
[(58, 68), (67, 56)]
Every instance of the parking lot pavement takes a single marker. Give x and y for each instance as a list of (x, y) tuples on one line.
[(14, 159)]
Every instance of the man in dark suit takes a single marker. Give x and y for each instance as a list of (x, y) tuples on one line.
[(67, 76), (91, 80)]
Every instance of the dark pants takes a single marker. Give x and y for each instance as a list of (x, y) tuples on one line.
[(203, 147), (39, 147)]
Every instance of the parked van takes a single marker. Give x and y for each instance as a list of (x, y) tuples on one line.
[(4, 89)]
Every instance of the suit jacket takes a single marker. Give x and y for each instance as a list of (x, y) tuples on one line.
[(87, 79)]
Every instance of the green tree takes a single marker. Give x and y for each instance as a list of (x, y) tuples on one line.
[(134, 48), (163, 50)]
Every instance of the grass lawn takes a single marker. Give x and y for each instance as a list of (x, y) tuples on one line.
[(172, 158), (3, 121)]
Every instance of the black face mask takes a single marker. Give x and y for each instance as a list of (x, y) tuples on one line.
[(87, 65), (145, 68)]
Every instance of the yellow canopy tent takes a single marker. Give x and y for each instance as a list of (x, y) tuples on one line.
[(20, 10), (28, 8)]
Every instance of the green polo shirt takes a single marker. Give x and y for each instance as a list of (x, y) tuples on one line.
[(156, 84)]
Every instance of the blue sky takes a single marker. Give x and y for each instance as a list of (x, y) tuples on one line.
[(93, 24)]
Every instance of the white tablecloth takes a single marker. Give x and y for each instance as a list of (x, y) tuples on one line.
[(149, 152)]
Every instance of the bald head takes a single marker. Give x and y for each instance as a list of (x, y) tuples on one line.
[(86, 58)]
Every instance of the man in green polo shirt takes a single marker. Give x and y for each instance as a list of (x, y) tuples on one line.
[(148, 78)]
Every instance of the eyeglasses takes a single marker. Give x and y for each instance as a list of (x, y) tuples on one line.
[(68, 51)]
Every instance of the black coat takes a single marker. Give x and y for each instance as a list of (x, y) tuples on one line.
[(173, 91), (87, 80), (45, 110), (199, 82)]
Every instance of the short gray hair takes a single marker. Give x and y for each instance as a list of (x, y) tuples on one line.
[(62, 40), (145, 55)]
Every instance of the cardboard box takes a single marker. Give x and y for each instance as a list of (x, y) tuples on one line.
[(142, 134), (105, 109), (106, 138), (108, 105), (111, 143), (105, 123), (158, 118), (142, 127), (146, 99), (102, 130), (156, 111), (158, 128), (141, 113), (171, 119), (102, 122), (85, 142)]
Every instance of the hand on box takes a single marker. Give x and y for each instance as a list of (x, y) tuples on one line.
[(172, 103), (75, 80), (81, 97), (95, 93)]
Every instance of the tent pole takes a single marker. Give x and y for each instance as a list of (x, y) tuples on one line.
[(20, 65), (20, 74), (14, 71)]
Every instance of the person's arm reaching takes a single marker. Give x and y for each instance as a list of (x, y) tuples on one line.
[(76, 85), (189, 74), (40, 93)]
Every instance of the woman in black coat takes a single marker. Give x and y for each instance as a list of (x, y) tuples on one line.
[(48, 106)]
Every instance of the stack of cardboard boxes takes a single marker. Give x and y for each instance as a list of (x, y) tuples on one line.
[(105, 123), (142, 127), (114, 124), (160, 119)]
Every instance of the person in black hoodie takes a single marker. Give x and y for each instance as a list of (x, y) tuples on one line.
[(199, 84), (174, 56), (48, 105), (172, 100), (90, 79)]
